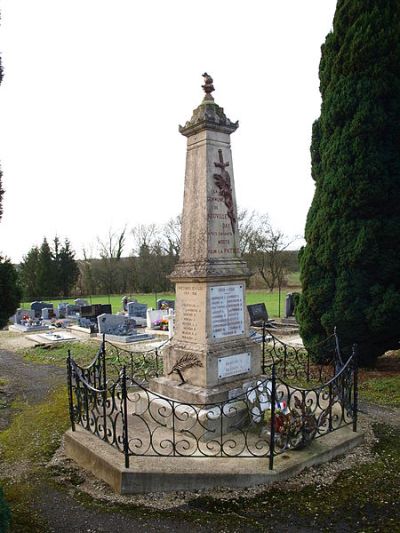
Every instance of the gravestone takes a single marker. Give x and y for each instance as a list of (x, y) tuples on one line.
[(119, 328), (94, 310), (48, 313), (136, 309), (62, 309), (211, 347), (106, 308), (258, 314), (23, 315), (71, 310), (25, 321), (162, 303), (38, 306), (289, 305)]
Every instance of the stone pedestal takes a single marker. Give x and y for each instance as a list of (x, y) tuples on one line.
[(210, 353)]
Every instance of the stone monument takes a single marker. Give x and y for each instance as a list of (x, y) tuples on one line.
[(210, 357)]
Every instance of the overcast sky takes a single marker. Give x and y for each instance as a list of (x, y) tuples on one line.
[(94, 91)]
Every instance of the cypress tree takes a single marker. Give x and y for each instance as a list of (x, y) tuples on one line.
[(1, 194), (28, 274), (351, 262), (10, 294)]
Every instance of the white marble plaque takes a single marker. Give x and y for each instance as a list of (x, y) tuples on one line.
[(233, 365), (227, 312)]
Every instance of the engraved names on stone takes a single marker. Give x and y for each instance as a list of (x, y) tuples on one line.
[(233, 365), (191, 299), (227, 313)]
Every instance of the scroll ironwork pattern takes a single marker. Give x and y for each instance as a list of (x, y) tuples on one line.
[(111, 399)]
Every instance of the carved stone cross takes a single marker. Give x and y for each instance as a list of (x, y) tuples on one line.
[(221, 163)]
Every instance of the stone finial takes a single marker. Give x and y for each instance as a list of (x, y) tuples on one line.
[(208, 115), (208, 87)]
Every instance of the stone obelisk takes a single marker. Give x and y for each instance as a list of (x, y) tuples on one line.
[(210, 356)]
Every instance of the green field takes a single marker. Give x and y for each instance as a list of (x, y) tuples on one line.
[(271, 300)]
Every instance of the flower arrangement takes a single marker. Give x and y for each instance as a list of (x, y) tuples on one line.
[(293, 426), (160, 324)]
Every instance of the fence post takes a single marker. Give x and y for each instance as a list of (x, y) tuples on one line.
[(70, 393), (263, 347), (104, 385), (330, 406), (303, 417), (272, 429), (125, 417), (355, 386), (284, 360)]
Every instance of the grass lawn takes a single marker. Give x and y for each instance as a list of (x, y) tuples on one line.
[(381, 384), (271, 300)]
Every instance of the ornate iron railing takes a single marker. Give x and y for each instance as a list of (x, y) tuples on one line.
[(111, 399)]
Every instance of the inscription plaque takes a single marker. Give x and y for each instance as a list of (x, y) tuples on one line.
[(190, 314), (233, 365), (227, 314)]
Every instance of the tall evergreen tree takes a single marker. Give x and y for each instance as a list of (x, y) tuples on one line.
[(351, 262), (10, 294), (28, 274), (1, 194), (1, 173), (67, 267), (46, 271)]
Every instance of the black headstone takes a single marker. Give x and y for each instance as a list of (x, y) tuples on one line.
[(94, 310), (289, 305), (258, 314), (106, 308), (38, 306)]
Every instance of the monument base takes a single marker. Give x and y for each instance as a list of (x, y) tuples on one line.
[(193, 394), (164, 474)]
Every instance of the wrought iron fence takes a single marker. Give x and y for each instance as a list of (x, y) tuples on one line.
[(110, 398)]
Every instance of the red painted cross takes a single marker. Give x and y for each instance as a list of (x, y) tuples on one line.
[(221, 163)]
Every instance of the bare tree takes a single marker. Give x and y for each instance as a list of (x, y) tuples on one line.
[(264, 247), (172, 231), (143, 235), (108, 270), (113, 246)]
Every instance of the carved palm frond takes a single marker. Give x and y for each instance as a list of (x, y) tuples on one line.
[(188, 360)]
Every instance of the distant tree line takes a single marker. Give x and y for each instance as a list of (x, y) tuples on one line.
[(156, 250), (108, 268)]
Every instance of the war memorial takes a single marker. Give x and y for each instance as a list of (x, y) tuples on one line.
[(211, 407)]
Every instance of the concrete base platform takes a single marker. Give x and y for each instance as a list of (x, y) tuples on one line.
[(28, 329), (52, 338), (163, 474), (126, 339)]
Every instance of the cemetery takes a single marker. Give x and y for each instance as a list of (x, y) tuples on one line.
[(96, 319), (251, 379), (211, 407)]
